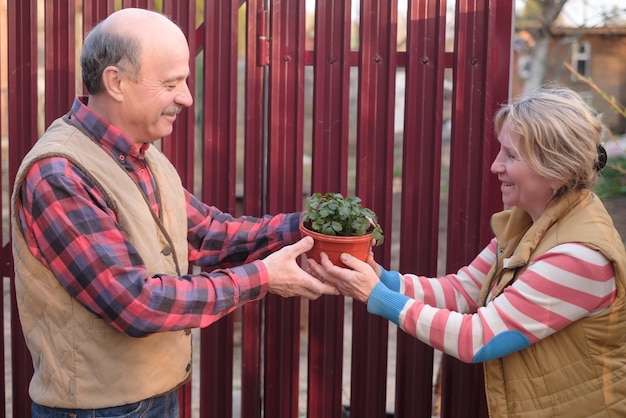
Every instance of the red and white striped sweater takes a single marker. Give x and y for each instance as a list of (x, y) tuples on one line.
[(567, 283)]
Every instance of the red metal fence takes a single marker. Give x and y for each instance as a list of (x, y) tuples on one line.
[(278, 82)]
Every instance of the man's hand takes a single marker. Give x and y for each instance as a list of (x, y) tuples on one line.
[(286, 277)]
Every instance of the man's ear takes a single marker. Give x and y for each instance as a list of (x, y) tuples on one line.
[(112, 80)]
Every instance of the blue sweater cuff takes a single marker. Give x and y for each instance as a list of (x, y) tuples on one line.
[(386, 303), (391, 279)]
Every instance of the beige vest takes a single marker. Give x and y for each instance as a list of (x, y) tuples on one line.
[(580, 371), (79, 360)]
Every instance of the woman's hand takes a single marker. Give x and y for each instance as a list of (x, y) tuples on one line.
[(370, 260), (357, 281)]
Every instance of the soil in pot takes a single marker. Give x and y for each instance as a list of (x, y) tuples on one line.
[(334, 246)]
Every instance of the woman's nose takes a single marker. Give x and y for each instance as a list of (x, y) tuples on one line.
[(496, 165)]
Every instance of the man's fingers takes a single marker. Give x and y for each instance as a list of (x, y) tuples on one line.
[(318, 287), (313, 289), (325, 289), (302, 246)]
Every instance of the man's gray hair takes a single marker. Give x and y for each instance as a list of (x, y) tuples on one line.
[(103, 48)]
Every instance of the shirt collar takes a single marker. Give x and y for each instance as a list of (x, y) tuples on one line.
[(108, 136)]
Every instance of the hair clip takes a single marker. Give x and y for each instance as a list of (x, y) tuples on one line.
[(602, 158)]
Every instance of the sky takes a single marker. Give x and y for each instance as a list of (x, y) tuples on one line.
[(590, 12), (575, 12)]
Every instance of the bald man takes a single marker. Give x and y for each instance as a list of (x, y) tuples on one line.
[(104, 234)]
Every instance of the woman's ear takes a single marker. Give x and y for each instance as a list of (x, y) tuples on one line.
[(112, 81), (555, 186)]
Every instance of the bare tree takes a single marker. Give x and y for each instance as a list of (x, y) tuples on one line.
[(537, 18)]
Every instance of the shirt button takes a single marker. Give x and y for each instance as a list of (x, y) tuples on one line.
[(166, 251), (187, 331), (188, 367)]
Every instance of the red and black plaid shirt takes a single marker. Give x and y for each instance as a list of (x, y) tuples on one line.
[(69, 227)]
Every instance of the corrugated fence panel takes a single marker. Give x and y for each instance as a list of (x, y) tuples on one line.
[(60, 57), (256, 55), (374, 182), (421, 167), (22, 95), (219, 117), (94, 11), (284, 193), (330, 136), (142, 4), (5, 258)]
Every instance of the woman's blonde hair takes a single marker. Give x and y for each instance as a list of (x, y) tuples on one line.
[(560, 135)]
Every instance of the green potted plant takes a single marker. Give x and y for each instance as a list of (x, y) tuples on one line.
[(339, 224)]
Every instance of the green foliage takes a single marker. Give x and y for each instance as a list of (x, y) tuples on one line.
[(333, 214), (612, 181)]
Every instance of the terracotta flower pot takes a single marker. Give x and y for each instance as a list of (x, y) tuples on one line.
[(334, 246)]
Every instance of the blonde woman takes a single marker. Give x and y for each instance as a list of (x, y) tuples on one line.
[(543, 305)]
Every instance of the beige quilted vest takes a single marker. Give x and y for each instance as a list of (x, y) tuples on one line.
[(79, 360), (580, 371)]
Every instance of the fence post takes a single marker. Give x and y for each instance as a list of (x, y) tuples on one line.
[(22, 70)]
